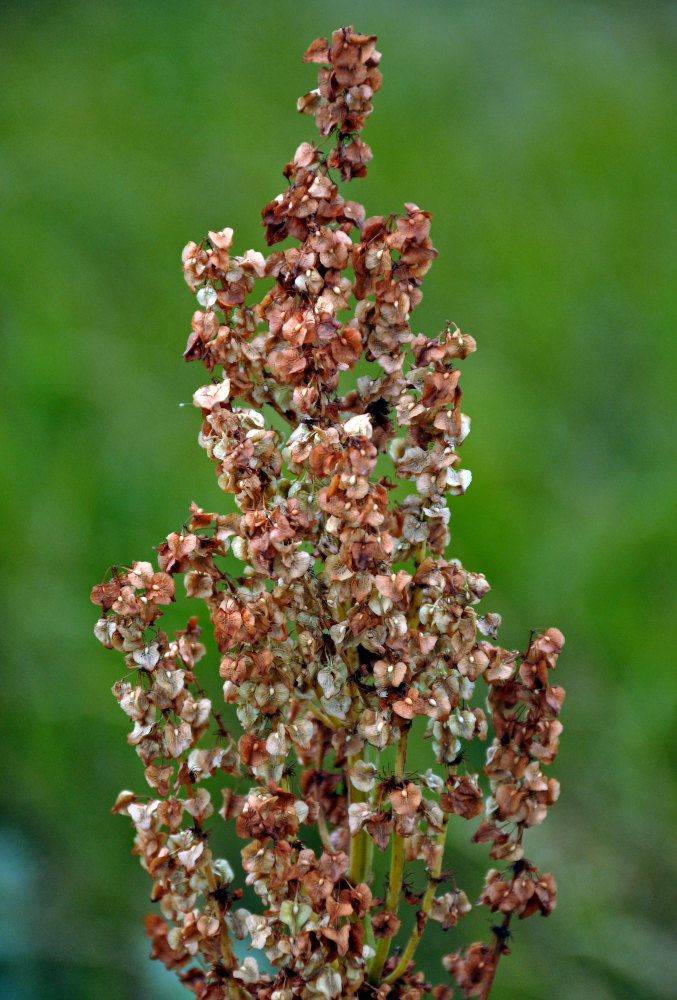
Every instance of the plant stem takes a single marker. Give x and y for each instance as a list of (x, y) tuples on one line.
[(323, 830), (426, 903), (417, 600), (361, 846), (278, 409), (396, 872), (499, 944), (322, 826), (224, 938), (329, 721)]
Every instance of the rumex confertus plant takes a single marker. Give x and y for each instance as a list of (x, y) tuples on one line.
[(337, 617)]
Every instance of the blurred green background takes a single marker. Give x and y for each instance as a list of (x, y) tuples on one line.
[(542, 135)]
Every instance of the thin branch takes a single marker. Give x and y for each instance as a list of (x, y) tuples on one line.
[(426, 904), (322, 827), (323, 830), (278, 409), (396, 871), (330, 721), (361, 846), (497, 951)]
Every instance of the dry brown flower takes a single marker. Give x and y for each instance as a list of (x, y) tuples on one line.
[(337, 617)]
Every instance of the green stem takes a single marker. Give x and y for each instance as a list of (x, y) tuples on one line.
[(330, 721), (361, 846), (396, 872), (426, 903), (324, 831)]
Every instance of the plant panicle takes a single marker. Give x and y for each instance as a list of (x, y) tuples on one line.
[(328, 648)]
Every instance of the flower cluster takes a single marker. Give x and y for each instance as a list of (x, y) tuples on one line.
[(337, 617)]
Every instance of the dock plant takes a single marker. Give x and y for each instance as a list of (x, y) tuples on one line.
[(341, 629)]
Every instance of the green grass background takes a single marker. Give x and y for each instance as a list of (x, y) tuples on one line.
[(542, 136)]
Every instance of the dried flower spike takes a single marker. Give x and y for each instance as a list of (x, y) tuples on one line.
[(338, 621)]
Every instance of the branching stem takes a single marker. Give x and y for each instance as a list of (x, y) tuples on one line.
[(396, 871), (426, 903)]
